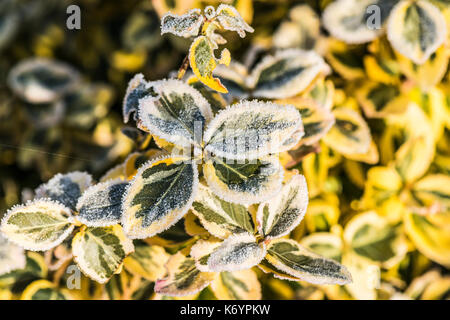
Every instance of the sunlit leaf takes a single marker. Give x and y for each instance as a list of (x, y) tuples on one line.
[(147, 261), (186, 25), (237, 285), (12, 256), (230, 19)]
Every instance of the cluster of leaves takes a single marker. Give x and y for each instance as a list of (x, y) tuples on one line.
[(337, 174)]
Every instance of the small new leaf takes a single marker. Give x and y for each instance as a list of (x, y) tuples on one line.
[(186, 25)]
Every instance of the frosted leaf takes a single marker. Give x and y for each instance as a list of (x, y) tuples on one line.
[(38, 225), (286, 74), (347, 20), (237, 285), (158, 196), (41, 80), (233, 77), (137, 89), (176, 113), (99, 252), (201, 251), (12, 256), (251, 129), (293, 140), (101, 204), (65, 188), (230, 19), (244, 182), (281, 214), (219, 217), (183, 278), (237, 252), (209, 12), (296, 261), (186, 25)]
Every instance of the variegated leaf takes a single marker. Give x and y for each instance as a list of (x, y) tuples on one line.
[(39, 225), (346, 60), (99, 251), (201, 251), (350, 134), (326, 244), (65, 188), (251, 129), (416, 29), (219, 217), (137, 89), (147, 261), (433, 190), (183, 278), (177, 114), (186, 25), (293, 259), (230, 19), (237, 285), (348, 20), (44, 290), (286, 74), (233, 77), (237, 252), (279, 215), (101, 204), (244, 181), (371, 237), (12, 256), (158, 196), (214, 98), (203, 62), (41, 80)]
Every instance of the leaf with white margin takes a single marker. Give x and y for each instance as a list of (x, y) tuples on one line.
[(219, 217), (288, 256), (147, 261), (38, 225), (186, 25), (350, 134), (99, 251), (237, 285), (159, 195), (347, 20), (201, 252), (286, 74), (203, 62), (244, 181), (281, 214), (44, 290), (372, 237), (101, 204), (433, 189), (41, 80), (230, 19), (12, 256), (326, 244), (65, 188), (183, 278), (233, 78), (177, 114), (137, 89), (293, 140), (251, 129), (237, 252), (416, 29)]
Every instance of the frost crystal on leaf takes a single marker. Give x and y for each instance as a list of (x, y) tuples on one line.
[(187, 25), (137, 89), (12, 256), (230, 19)]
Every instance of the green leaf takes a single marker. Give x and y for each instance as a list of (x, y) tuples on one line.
[(12, 257), (177, 114), (251, 129), (416, 29), (41, 80), (183, 278), (65, 188), (158, 196), (100, 251), (286, 74), (281, 214), (186, 25), (244, 182), (288, 256), (39, 225), (237, 252), (137, 89), (219, 217), (101, 205)]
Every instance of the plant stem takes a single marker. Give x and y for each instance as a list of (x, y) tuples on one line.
[(183, 68)]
